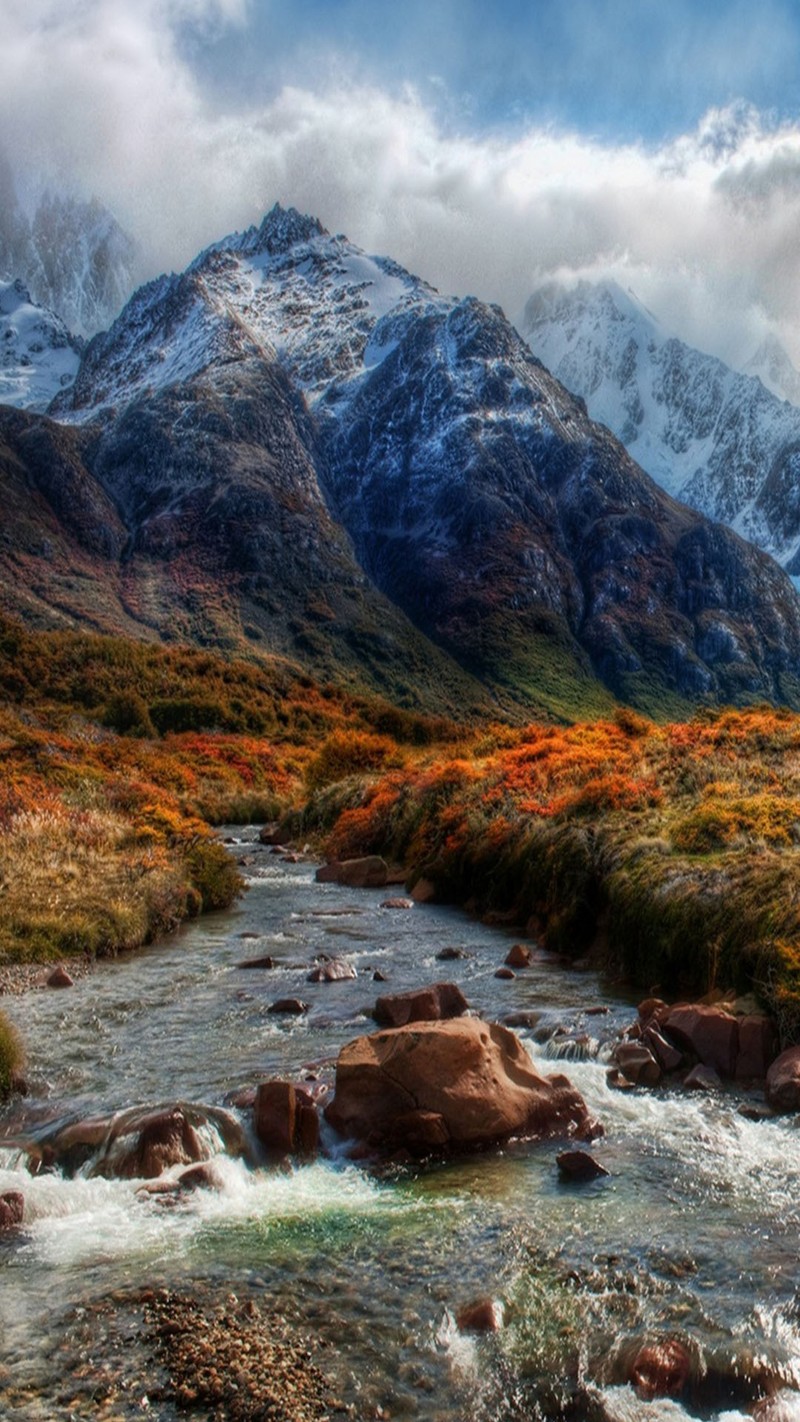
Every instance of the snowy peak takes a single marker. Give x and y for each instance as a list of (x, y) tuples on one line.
[(38, 356), (772, 364), (72, 255), (716, 439), (286, 290)]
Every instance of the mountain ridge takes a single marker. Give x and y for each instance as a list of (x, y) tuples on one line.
[(291, 428)]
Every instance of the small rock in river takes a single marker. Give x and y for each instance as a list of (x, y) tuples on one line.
[(397, 904), (505, 973), (335, 970), (519, 956), (579, 1165), (288, 1005), (12, 1208), (702, 1078), (266, 962), (60, 978), (449, 955), (661, 1369), (480, 1316)]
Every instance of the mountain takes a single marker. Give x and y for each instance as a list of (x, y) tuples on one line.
[(71, 255), (301, 446), (38, 355), (773, 366), (714, 438)]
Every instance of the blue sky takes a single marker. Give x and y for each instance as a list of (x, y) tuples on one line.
[(617, 69), (485, 146)]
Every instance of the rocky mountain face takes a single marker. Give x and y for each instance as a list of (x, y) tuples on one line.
[(303, 446), (72, 256), (38, 355), (718, 440)]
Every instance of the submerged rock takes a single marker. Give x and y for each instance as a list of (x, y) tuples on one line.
[(661, 1369), (334, 970), (288, 1006), (480, 1316), (579, 1165), (457, 1085), (12, 1209)]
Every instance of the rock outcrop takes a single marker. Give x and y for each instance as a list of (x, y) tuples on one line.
[(449, 1086)]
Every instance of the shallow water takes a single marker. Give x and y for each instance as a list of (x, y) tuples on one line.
[(694, 1233)]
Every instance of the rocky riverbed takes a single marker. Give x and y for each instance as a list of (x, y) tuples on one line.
[(516, 1281)]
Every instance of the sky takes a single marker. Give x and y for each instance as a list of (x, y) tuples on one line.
[(486, 146)]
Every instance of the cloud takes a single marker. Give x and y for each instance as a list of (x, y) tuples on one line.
[(703, 227)]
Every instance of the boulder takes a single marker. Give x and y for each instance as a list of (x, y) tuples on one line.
[(702, 1078), (265, 962), (450, 955), (285, 1120), (432, 1004), (480, 1316), (579, 1165), (201, 1177), (506, 973), (370, 872), (637, 1063), (667, 1056), (424, 891), (397, 904), (783, 1081), (652, 1007), (60, 978), (475, 1077), (12, 1209), (709, 1032), (269, 834), (335, 970), (519, 956), (758, 1046), (288, 1005), (661, 1369), (162, 1140)]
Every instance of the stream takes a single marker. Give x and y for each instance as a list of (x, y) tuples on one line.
[(693, 1234)]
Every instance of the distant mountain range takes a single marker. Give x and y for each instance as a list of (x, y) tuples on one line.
[(298, 447), (724, 442), (72, 256)]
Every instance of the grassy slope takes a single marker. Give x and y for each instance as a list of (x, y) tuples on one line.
[(672, 850)]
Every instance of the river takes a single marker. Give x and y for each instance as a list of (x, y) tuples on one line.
[(694, 1232)]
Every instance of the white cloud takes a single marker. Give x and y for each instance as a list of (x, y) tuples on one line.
[(704, 229)]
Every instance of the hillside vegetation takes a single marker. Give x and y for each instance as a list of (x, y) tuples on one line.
[(668, 852)]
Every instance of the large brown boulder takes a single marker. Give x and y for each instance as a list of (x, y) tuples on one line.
[(370, 872), (285, 1120), (741, 1047), (452, 1085), (758, 1046), (783, 1081), (431, 1004), (710, 1033), (661, 1369)]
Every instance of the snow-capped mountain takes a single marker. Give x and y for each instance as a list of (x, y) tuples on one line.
[(773, 366), (310, 443), (71, 255), (38, 356), (717, 439)]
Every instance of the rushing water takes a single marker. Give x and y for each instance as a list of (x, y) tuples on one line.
[(694, 1233)]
